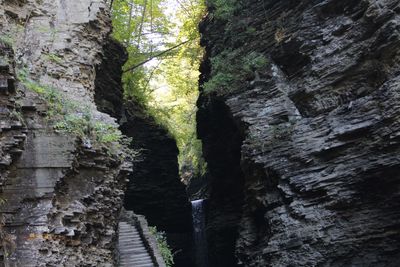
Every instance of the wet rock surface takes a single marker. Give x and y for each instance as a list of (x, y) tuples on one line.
[(319, 124)]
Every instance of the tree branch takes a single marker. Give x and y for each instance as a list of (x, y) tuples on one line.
[(141, 23), (155, 56)]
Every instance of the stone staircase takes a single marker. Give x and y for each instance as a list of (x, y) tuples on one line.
[(132, 250), (136, 246)]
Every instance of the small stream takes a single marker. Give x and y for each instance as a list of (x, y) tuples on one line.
[(199, 235)]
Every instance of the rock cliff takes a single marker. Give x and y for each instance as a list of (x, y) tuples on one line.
[(302, 134), (62, 192)]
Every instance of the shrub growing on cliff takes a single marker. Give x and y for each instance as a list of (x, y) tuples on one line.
[(10, 35), (54, 58), (224, 9), (7, 39), (163, 246), (72, 117), (231, 67)]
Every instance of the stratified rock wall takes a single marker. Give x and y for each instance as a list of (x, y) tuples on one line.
[(320, 130), (59, 41), (63, 196)]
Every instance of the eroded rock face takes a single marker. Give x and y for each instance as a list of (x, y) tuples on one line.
[(320, 133), (59, 43), (63, 196)]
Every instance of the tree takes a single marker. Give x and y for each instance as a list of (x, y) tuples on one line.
[(164, 52)]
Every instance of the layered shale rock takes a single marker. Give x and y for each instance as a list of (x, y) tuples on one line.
[(63, 194), (316, 130)]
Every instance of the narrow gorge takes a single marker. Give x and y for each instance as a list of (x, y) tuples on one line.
[(224, 133)]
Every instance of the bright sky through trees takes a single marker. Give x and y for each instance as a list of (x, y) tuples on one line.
[(163, 34)]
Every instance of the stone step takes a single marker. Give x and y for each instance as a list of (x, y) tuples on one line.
[(127, 231), (135, 249), (132, 251), (130, 243), (128, 264), (127, 227), (130, 239), (136, 255), (129, 236), (132, 260), (135, 262)]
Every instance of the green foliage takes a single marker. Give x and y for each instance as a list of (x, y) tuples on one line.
[(10, 35), (54, 58), (224, 9), (52, 32), (167, 87), (138, 24), (251, 31), (163, 246), (7, 39), (16, 115), (219, 81), (70, 116), (83, 125), (49, 94), (254, 61), (106, 133), (231, 67), (134, 20)]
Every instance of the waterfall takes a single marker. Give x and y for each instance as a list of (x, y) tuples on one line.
[(200, 241)]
